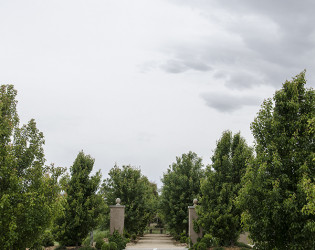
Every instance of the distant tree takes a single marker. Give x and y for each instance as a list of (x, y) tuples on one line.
[(136, 192), (28, 189), (272, 197), (82, 204), (181, 184), (217, 212)]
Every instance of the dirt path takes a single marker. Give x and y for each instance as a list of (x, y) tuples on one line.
[(155, 241)]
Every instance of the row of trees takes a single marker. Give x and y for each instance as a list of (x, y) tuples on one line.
[(268, 190), (216, 188), (37, 201), (28, 189)]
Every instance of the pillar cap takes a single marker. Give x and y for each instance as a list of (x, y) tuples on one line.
[(118, 201), (195, 201)]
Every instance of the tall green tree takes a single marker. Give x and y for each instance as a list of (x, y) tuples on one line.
[(217, 212), (82, 203), (28, 189), (181, 184), (136, 192), (308, 183), (272, 197)]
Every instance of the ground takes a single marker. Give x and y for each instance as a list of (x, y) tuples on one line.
[(156, 241)]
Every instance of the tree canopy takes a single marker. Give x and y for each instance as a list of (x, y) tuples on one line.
[(217, 212), (181, 184), (82, 204), (28, 189), (136, 192), (272, 196)]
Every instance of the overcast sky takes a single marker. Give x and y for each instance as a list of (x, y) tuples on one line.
[(140, 82)]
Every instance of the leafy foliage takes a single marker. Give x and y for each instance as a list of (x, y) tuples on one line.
[(218, 215), (113, 246), (309, 188), (28, 189), (105, 246), (47, 239), (118, 239), (272, 198), (209, 240), (136, 193), (99, 243), (307, 183), (82, 204), (181, 184)]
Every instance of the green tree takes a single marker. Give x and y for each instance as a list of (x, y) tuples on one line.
[(309, 188), (272, 198), (82, 204), (136, 192), (28, 189), (217, 212), (308, 183), (181, 184)]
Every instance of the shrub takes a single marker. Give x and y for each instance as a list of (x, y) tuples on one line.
[(100, 235), (133, 237), (118, 239), (183, 234), (47, 239), (200, 246), (86, 241), (183, 239), (99, 243), (87, 248), (113, 246), (175, 236), (105, 246), (97, 236), (126, 234), (209, 240)]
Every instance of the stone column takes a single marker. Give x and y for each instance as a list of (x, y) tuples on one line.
[(192, 215), (117, 217)]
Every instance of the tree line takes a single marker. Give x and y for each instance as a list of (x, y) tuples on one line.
[(40, 203), (267, 190)]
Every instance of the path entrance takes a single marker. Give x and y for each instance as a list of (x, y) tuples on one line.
[(155, 241)]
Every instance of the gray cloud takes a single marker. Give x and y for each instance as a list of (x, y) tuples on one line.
[(271, 41), (228, 103), (179, 66), (239, 79), (174, 66)]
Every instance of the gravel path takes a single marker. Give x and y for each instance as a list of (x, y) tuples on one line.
[(156, 241)]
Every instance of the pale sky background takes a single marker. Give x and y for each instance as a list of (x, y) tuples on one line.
[(140, 82)]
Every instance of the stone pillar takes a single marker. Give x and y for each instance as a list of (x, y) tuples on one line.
[(117, 217), (192, 215)]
